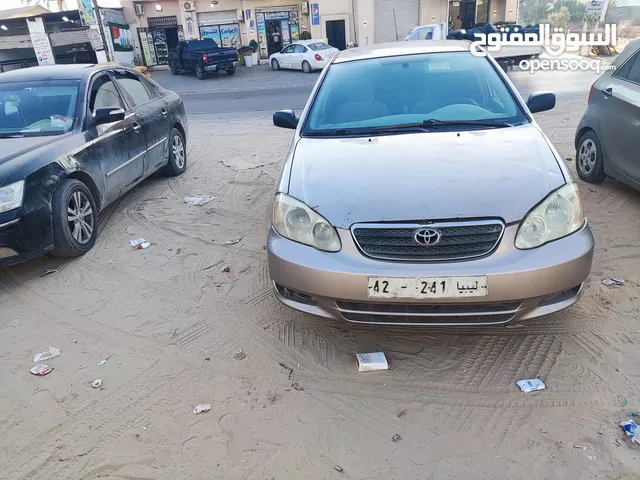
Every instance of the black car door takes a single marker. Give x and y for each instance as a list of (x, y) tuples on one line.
[(116, 147), (153, 116)]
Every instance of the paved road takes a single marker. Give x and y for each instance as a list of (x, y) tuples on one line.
[(260, 89)]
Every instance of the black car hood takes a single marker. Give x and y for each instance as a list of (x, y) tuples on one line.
[(23, 155)]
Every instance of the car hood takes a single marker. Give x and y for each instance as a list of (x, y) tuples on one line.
[(501, 172), (19, 153)]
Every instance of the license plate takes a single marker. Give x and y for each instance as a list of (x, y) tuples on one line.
[(427, 287)]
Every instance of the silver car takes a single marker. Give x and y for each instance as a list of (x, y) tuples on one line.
[(419, 190), (608, 136)]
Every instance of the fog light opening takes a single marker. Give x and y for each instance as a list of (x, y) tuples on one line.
[(295, 296)]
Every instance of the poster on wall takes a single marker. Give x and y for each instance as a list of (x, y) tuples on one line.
[(286, 39), (189, 23), (40, 42), (87, 15), (152, 49), (230, 35), (180, 34), (211, 31), (315, 14), (295, 33), (262, 38), (121, 36)]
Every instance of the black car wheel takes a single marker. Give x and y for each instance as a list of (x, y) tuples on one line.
[(306, 68), (200, 73), (177, 154), (75, 219), (231, 71), (589, 159), (275, 65), (174, 69)]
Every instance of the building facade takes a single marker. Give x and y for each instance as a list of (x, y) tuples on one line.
[(161, 24)]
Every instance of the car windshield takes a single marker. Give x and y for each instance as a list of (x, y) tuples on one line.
[(319, 46), (37, 108), (204, 44), (425, 90)]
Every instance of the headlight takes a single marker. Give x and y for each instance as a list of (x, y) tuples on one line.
[(559, 215), (296, 221), (11, 196)]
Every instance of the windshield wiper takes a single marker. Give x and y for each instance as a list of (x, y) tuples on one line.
[(11, 135), (432, 122), (338, 132)]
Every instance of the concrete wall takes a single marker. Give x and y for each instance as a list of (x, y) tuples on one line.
[(365, 22), (433, 11), (334, 10)]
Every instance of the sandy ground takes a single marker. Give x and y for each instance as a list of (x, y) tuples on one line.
[(169, 320)]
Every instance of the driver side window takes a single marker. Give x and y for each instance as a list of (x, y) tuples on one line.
[(289, 49), (104, 94)]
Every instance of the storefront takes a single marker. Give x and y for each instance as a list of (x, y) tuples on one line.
[(159, 39), (222, 27), (468, 13), (277, 28)]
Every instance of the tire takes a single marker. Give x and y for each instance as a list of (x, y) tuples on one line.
[(174, 69), (73, 238), (306, 67), (231, 71), (589, 158), (200, 72), (177, 162), (275, 64)]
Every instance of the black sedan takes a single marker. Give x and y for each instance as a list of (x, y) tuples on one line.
[(74, 138)]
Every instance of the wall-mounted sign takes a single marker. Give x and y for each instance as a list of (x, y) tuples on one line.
[(121, 36), (315, 14), (87, 15), (40, 41)]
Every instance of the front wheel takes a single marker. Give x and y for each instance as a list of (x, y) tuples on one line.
[(75, 219), (306, 67), (231, 71), (589, 158), (177, 154), (275, 64), (200, 73)]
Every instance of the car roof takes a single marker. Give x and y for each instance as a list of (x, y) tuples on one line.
[(55, 72), (631, 48), (308, 42), (403, 48)]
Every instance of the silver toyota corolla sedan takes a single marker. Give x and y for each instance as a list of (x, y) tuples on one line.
[(419, 190)]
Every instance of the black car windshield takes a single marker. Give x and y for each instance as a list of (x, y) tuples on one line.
[(200, 45), (37, 108), (435, 90)]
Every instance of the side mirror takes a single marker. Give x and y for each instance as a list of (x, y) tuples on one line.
[(285, 119), (107, 115), (541, 101)]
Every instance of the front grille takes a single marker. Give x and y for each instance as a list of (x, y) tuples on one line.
[(428, 314), (459, 240)]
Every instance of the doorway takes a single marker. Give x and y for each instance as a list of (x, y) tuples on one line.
[(172, 37), (274, 36), (336, 34), (468, 14)]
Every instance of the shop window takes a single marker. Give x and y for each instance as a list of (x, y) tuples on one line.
[(104, 94), (224, 35), (133, 86)]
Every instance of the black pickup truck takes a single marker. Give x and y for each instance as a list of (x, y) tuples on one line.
[(202, 56)]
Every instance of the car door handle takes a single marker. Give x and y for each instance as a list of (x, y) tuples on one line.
[(164, 112), (607, 92), (136, 127)]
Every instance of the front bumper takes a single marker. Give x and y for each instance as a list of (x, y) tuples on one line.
[(522, 284), (25, 235)]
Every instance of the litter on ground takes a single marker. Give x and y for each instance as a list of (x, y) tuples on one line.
[(368, 362), (610, 282), (234, 241), (198, 201), (202, 408), (41, 370), (97, 383), (630, 427), (49, 271), (531, 385), (41, 356)]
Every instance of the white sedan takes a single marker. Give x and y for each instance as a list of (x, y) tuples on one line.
[(305, 55)]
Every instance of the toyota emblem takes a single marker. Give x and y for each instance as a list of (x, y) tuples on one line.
[(427, 236)]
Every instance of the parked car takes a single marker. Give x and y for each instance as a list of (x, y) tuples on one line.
[(202, 56), (305, 55), (73, 139), (419, 189), (608, 137)]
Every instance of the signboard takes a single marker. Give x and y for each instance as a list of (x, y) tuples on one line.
[(286, 39), (95, 38), (40, 41), (315, 14), (262, 37), (121, 37), (212, 32), (597, 7), (87, 14), (276, 15), (230, 35), (295, 33)]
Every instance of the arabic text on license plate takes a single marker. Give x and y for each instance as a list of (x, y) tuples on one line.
[(427, 287)]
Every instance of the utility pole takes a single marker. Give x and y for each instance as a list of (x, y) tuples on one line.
[(98, 15)]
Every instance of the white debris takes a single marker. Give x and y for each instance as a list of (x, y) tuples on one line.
[(202, 408), (52, 353), (198, 201), (371, 361)]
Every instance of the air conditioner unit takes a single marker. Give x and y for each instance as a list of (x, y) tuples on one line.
[(240, 15), (139, 8), (305, 8), (189, 6)]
